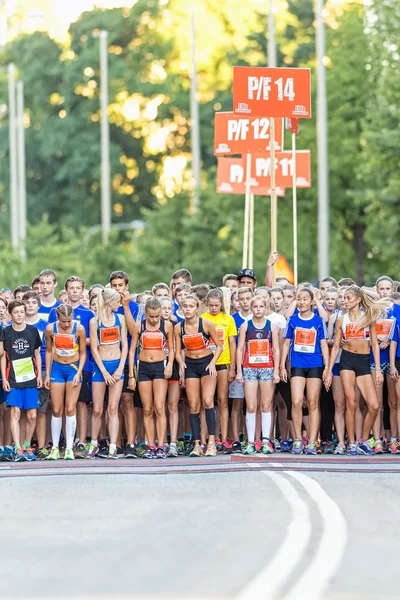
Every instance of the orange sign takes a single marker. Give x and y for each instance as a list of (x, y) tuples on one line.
[(242, 135), (384, 327), (282, 269), (292, 125), (261, 167), (231, 178), (267, 92)]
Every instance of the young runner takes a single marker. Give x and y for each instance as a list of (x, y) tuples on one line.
[(36, 285), (20, 291), (180, 276), (309, 353), (289, 294), (277, 300), (230, 280), (65, 359), (21, 369), (160, 290), (108, 342), (48, 283), (155, 337), (247, 278), (259, 344), (174, 390), (197, 370)]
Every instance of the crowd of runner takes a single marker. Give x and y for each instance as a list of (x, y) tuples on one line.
[(186, 369)]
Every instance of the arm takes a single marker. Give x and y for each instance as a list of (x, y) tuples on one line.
[(276, 351), (179, 354), (337, 344), (3, 364), (232, 366), (290, 310), (38, 360), (49, 354), (282, 366), (82, 354), (325, 356), (95, 352), (376, 353), (269, 274), (394, 374), (130, 321), (124, 350), (321, 310), (240, 351), (212, 331), (131, 368), (170, 342), (330, 330)]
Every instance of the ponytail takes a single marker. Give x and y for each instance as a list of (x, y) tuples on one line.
[(103, 298), (372, 310)]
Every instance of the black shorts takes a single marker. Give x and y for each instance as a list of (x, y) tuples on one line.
[(125, 389), (221, 368), (137, 401), (175, 373), (196, 367), (148, 371), (311, 373), (360, 364), (397, 364), (84, 394)]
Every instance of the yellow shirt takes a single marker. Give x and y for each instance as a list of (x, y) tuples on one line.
[(226, 328)]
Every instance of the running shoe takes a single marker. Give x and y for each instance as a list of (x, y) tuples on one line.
[(93, 451), (19, 455), (366, 447), (319, 446), (236, 448), (150, 453), (298, 447), (329, 448), (180, 445), (160, 453), (120, 452), (258, 446), (340, 449), (103, 450), (227, 447), (173, 451), (69, 454), (311, 448), (130, 451), (1, 454), (305, 441), (394, 447), (29, 454), (197, 451), (286, 445), (352, 449), (54, 454), (250, 449), (211, 450), (141, 449), (267, 447), (276, 444), (219, 445), (8, 454), (113, 453), (378, 448), (80, 450)]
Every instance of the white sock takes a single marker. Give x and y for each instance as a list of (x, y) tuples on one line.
[(114, 446), (93, 443), (266, 420), (251, 426), (70, 428), (56, 425)]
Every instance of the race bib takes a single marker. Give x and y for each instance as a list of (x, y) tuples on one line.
[(353, 334), (152, 340), (221, 337), (259, 352), (109, 335), (194, 342), (384, 327), (23, 369), (304, 340), (64, 344)]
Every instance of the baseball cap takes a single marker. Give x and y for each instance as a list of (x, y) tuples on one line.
[(247, 273)]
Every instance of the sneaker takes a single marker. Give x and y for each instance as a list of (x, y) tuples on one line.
[(113, 453), (130, 451), (173, 451), (329, 448), (197, 451), (42, 453), (103, 450), (250, 449), (276, 444), (160, 452), (211, 450), (1, 454), (340, 449), (92, 452), (120, 452), (258, 446), (29, 454), (8, 454), (236, 448), (394, 447), (227, 447), (378, 448), (141, 449), (150, 453), (298, 447), (219, 445), (54, 454), (352, 449), (267, 447), (19, 455), (320, 446), (180, 446), (286, 445), (366, 447), (305, 441), (69, 454), (311, 448), (80, 450)]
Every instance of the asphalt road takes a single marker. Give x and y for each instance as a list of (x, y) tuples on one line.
[(264, 533)]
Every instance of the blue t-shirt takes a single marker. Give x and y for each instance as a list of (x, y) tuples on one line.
[(137, 311), (306, 336), (41, 327), (83, 315), (395, 336), (239, 320), (44, 311), (384, 352)]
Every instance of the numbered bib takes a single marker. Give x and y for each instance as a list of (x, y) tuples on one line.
[(64, 344), (304, 340), (194, 342), (152, 340), (23, 369), (221, 336), (109, 335), (353, 334), (384, 327), (259, 352)]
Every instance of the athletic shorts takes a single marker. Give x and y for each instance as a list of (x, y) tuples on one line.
[(385, 367), (2, 394), (311, 373), (397, 364), (336, 370), (175, 373), (358, 363), (61, 373), (44, 396), (148, 371), (110, 366), (25, 399), (261, 374), (196, 367), (85, 394), (236, 390), (125, 389), (221, 368)]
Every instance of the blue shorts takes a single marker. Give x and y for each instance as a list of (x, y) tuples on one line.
[(2, 393), (63, 373), (110, 366), (336, 370), (25, 399)]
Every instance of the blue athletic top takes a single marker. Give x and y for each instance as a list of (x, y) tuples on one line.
[(395, 336), (44, 311), (238, 322), (83, 315), (306, 336), (258, 353), (41, 327)]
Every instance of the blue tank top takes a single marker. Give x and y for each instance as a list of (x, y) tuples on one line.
[(258, 353)]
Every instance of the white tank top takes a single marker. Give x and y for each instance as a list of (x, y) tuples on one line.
[(349, 330)]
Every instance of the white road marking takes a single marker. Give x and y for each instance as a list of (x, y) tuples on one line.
[(316, 577), (298, 533)]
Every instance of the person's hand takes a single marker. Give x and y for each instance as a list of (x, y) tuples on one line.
[(378, 377), (276, 376), (239, 377), (394, 374), (125, 299), (283, 374), (273, 257), (131, 383), (46, 382), (168, 371), (39, 380), (231, 375), (6, 385), (117, 375), (77, 380), (109, 379), (211, 369)]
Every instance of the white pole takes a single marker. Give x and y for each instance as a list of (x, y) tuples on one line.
[(105, 139), (246, 213), (194, 112), (272, 53), (274, 206), (251, 233), (322, 141), (294, 171), (13, 157), (21, 169)]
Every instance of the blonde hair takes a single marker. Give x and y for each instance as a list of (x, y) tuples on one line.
[(64, 310), (258, 298), (372, 310), (226, 299), (104, 297), (245, 290)]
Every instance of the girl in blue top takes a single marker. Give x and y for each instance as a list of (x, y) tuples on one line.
[(306, 334)]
